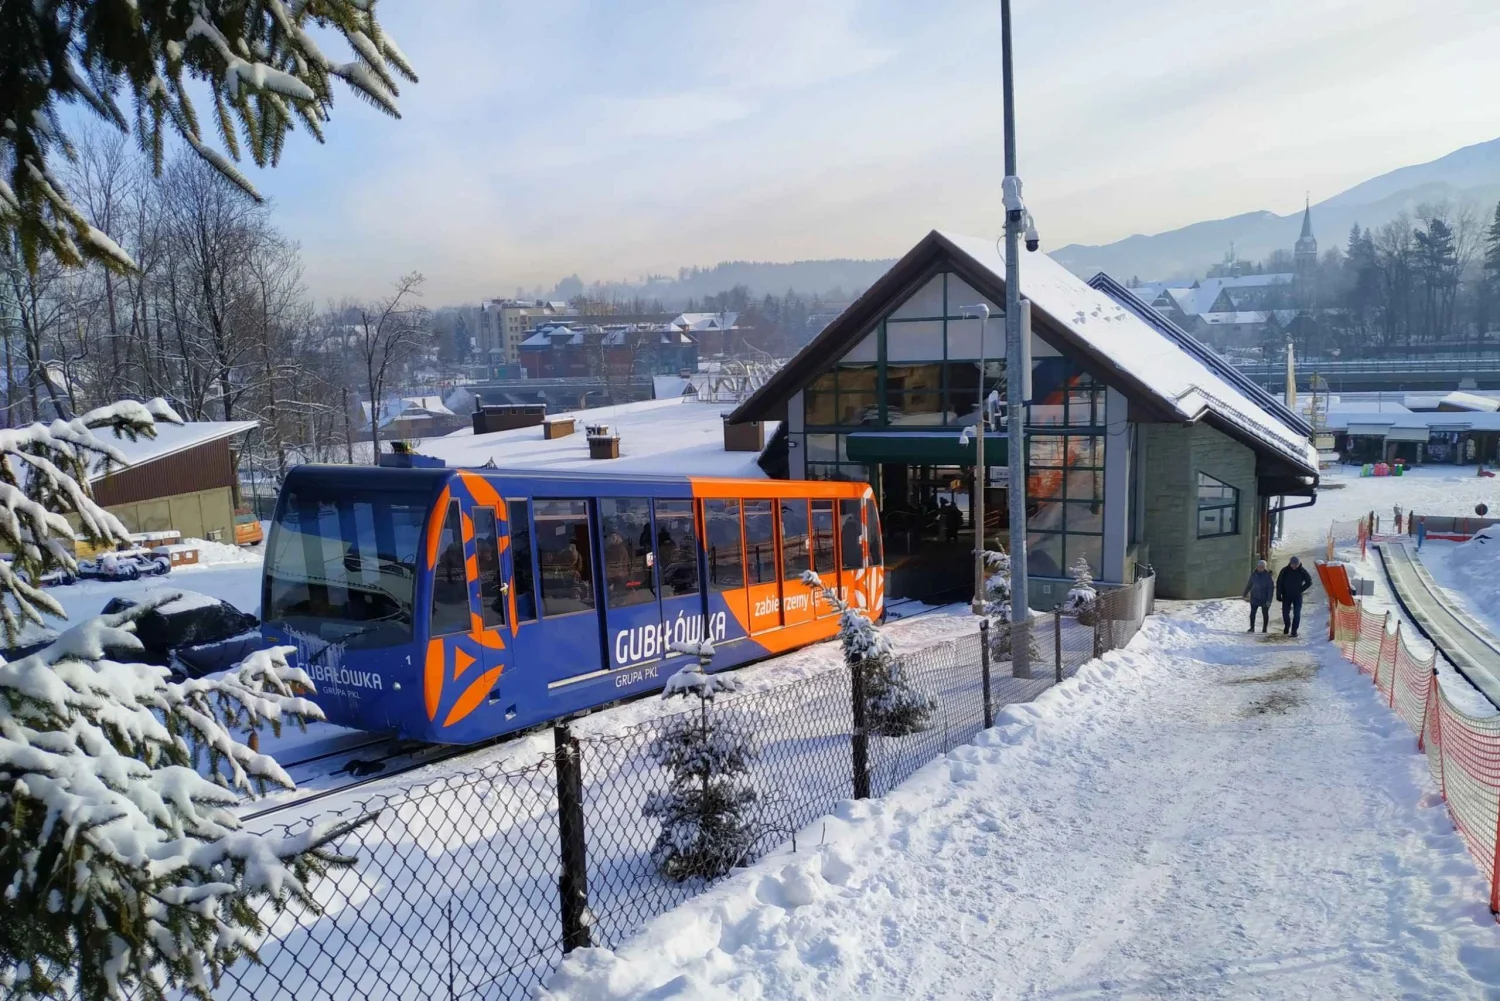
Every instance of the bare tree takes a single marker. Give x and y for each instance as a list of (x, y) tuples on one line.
[(387, 334)]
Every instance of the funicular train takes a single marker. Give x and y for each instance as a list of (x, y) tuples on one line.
[(453, 605)]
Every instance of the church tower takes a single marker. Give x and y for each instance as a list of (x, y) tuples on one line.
[(1305, 253)]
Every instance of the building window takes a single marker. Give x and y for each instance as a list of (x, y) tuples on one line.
[(1064, 503), (1218, 508), (1063, 394)]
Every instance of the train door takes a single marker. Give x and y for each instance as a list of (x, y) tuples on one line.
[(824, 554), (679, 588), (565, 649), (796, 553), (632, 602), (762, 566), (851, 548), (467, 652), (724, 562)]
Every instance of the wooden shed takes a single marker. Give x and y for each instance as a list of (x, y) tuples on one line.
[(184, 480)]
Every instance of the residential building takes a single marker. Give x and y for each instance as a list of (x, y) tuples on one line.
[(505, 323)]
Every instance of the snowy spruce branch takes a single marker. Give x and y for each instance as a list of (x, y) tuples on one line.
[(45, 470), (265, 73), (128, 869)]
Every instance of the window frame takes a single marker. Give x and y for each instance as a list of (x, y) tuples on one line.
[(1219, 506), (501, 590), (452, 523)]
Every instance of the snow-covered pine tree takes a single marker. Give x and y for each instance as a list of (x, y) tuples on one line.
[(260, 59), (125, 869), (997, 606), (893, 708), (1081, 596), (706, 826)]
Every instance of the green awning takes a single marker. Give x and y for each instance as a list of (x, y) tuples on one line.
[(924, 448)]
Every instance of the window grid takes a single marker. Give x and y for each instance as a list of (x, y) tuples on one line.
[(1218, 508)]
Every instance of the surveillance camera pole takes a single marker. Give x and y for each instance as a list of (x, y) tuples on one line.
[(1015, 446)]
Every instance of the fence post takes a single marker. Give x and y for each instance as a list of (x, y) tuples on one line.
[(984, 671), (1099, 621), (860, 743), (1057, 638), (573, 879), (1395, 662)]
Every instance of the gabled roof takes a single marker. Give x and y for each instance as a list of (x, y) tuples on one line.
[(1137, 357), (173, 438)]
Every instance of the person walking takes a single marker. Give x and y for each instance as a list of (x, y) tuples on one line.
[(1258, 591), (1291, 584)]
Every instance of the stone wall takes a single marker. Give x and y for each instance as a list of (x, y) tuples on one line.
[(1186, 566)]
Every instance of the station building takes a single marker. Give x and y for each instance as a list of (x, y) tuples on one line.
[(1144, 447)]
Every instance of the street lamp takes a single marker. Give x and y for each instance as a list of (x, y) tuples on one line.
[(981, 312), (1017, 381)]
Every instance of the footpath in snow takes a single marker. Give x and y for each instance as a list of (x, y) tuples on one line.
[(1203, 814)]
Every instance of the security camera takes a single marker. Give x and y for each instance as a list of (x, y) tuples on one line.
[(1033, 240)]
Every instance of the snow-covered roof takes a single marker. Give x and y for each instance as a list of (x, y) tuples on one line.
[(173, 438), (1470, 401), (672, 436), (1178, 378), (1242, 316), (705, 321)]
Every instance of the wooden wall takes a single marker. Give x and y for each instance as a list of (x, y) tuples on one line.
[(204, 467)]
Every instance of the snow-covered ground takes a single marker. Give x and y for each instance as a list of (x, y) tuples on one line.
[(1347, 496), (1470, 573), (1202, 814)]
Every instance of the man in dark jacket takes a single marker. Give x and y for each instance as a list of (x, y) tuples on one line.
[(1290, 585), (1258, 591)]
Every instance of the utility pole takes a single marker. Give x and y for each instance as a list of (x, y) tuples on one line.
[(1015, 379), (980, 312)]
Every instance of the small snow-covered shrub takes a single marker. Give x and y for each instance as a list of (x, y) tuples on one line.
[(893, 708), (706, 822), (1081, 597), (997, 606)]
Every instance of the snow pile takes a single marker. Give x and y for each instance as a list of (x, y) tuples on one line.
[(1199, 814), (1475, 565), (220, 554)]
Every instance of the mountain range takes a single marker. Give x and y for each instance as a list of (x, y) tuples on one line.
[(1471, 174)]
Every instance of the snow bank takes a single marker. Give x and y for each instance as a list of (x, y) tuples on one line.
[(1201, 813)]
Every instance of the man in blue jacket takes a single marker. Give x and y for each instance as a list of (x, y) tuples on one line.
[(1258, 591), (1290, 585)]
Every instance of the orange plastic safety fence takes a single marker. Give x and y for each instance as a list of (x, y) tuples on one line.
[(1463, 751)]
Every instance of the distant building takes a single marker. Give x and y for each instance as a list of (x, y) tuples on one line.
[(564, 351), (1234, 311), (505, 323), (408, 417)]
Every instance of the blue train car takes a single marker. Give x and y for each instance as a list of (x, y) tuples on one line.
[(452, 605)]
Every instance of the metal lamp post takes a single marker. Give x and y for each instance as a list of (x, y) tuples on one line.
[(1016, 380), (981, 313)]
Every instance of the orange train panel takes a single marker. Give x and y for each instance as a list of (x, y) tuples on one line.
[(724, 487)]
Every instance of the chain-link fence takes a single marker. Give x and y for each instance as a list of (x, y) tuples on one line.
[(475, 885)]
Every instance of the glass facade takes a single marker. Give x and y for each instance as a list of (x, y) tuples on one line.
[(926, 376)]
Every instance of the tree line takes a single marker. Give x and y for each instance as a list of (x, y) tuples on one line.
[(214, 316)]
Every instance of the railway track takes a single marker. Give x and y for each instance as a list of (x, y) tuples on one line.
[(1473, 651)]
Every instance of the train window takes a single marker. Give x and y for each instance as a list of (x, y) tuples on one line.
[(565, 551), (487, 553), (850, 533), (629, 551), (721, 519), (793, 538), (760, 542), (676, 547), (822, 536), (450, 585), (518, 513), (872, 519), (343, 568)]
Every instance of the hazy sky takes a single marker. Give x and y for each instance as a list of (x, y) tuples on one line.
[(615, 139)]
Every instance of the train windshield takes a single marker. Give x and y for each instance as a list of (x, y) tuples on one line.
[(342, 567)]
